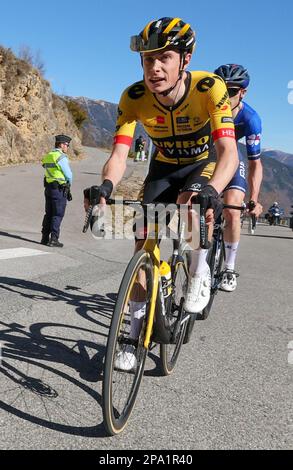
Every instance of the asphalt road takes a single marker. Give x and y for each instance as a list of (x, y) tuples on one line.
[(233, 385)]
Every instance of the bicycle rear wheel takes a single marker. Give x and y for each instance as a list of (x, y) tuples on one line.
[(169, 353), (120, 388), (216, 257)]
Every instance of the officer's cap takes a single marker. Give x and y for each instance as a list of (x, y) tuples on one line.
[(62, 139)]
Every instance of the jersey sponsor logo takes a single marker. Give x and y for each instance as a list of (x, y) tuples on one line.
[(224, 108), (136, 91), (223, 101), (182, 109), (223, 133), (227, 119), (184, 128), (160, 119), (218, 78), (182, 120), (197, 121), (183, 147), (242, 170), (194, 187), (253, 140), (159, 128), (205, 84)]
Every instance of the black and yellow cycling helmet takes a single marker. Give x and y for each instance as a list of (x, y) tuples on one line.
[(163, 33)]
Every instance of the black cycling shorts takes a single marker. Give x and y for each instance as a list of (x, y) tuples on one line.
[(164, 182)]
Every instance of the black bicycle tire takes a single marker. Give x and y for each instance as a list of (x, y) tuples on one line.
[(112, 425), (167, 366)]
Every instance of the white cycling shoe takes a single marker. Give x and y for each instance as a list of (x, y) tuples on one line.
[(198, 292), (229, 280), (125, 359)]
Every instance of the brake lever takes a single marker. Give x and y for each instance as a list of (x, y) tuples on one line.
[(87, 219)]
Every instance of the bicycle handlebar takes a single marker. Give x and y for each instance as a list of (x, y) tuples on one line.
[(204, 242)]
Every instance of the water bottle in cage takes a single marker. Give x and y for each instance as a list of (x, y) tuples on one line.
[(166, 279)]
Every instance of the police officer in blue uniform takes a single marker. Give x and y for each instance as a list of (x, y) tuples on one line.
[(57, 181)]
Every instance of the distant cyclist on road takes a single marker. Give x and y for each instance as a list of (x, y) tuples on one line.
[(179, 111), (275, 213), (248, 125)]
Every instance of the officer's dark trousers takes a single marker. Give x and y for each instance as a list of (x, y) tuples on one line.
[(56, 202)]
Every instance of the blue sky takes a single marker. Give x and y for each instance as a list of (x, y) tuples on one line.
[(85, 47)]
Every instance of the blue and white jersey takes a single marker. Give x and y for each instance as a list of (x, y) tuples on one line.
[(248, 124), (276, 210)]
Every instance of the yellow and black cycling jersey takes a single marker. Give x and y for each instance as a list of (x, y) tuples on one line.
[(181, 133)]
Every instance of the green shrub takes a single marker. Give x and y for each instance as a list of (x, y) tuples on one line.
[(78, 113)]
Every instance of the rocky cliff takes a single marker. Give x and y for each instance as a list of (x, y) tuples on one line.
[(30, 114)]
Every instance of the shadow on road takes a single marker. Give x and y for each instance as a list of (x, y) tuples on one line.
[(92, 307), (18, 237), (37, 401), (36, 362), (47, 395)]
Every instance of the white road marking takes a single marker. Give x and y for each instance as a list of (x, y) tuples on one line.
[(20, 253)]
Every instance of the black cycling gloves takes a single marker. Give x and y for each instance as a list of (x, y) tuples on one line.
[(94, 193), (209, 197), (251, 205)]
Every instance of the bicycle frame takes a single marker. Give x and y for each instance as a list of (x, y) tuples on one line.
[(152, 247)]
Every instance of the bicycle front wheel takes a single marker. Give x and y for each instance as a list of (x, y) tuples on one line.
[(120, 387), (251, 224), (169, 353)]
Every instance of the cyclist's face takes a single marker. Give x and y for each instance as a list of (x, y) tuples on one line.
[(161, 69), (234, 100)]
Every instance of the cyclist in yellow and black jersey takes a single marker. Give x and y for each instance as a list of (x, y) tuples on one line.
[(180, 111), (181, 132)]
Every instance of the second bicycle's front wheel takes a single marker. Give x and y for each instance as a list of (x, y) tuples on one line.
[(169, 353), (215, 259), (120, 387), (251, 224)]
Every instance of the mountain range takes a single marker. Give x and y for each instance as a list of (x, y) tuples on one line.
[(99, 128), (282, 157)]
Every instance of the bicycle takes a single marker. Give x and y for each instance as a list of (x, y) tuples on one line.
[(164, 322), (215, 260)]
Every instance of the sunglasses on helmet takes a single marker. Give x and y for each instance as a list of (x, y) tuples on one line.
[(154, 43)]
